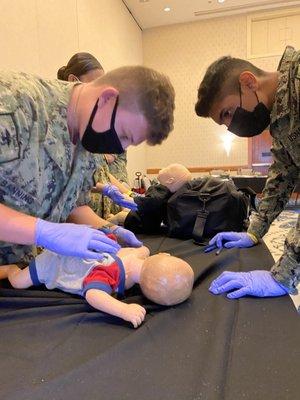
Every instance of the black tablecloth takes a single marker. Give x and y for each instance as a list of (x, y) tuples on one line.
[(256, 183), (54, 346)]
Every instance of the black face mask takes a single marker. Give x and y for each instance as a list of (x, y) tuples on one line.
[(249, 123), (102, 142)]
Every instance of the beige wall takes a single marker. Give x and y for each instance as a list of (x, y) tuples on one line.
[(40, 36), (183, 52)]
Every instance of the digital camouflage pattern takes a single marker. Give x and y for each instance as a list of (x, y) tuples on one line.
[(284, 172), (103, 205), (41, 172), (118, 168)]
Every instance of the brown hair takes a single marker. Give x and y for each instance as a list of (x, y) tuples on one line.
[(221, 79), (147, 91), (78, 65)]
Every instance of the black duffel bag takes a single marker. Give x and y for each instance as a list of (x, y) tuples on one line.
[(206, 206)]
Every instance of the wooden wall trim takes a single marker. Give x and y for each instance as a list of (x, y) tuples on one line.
[(203, 169)]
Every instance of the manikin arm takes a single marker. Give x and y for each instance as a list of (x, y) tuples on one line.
[(18, 278), (119, 218), (122, 188), (114, 181), (102, 301), (85, 215)]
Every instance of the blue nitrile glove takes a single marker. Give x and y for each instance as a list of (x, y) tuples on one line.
[(254, 283), (73, 240), (117, 197), (232, 239), (127, 237)]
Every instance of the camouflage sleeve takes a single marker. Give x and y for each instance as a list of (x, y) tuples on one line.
[(101, 205), (84, 197), (118, 168), (92, 177), (287, 269), (282, 178)]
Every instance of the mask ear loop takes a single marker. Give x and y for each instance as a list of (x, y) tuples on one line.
[(113, 117), (90, 123), (240, 92)]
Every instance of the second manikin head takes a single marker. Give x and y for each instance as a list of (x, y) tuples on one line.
[(174, 176)]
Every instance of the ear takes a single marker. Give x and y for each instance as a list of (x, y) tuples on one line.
[(72, 78), (248, 81), (107, 94)]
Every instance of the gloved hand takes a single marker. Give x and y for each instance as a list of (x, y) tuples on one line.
[(73, 240), (233, 239), (117, 197), (254, 283), (126, 237)]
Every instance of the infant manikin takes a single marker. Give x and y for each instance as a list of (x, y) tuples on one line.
[(163, 279), (173, 177)]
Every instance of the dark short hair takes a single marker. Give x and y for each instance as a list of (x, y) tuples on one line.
[(78, 65), (221, 79), (147, 91)]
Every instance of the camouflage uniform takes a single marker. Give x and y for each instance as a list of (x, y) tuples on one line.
[(118, 167), (41, 172), (103, 205), (284, 172)]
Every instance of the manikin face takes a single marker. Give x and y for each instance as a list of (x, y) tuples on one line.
[(174, 176)]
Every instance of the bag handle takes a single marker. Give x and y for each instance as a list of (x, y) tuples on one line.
[(201, 218)]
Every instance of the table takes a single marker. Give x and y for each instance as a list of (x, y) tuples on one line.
[(256, 183), (54, 346)]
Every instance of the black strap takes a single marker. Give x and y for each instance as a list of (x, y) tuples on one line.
[(198, 230), (199, 226)]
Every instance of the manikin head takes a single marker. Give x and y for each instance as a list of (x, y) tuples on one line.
[(166, 280), (163, 279), (174, 176)]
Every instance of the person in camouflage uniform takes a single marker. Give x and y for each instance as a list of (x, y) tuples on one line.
[(46, 172), (246, 99), (84, 67), (102, 205), (117, 165)]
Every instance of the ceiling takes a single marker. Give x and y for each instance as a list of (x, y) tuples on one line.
[(150, 13)]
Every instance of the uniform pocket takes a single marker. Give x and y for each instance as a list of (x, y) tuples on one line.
[(9, 138)]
